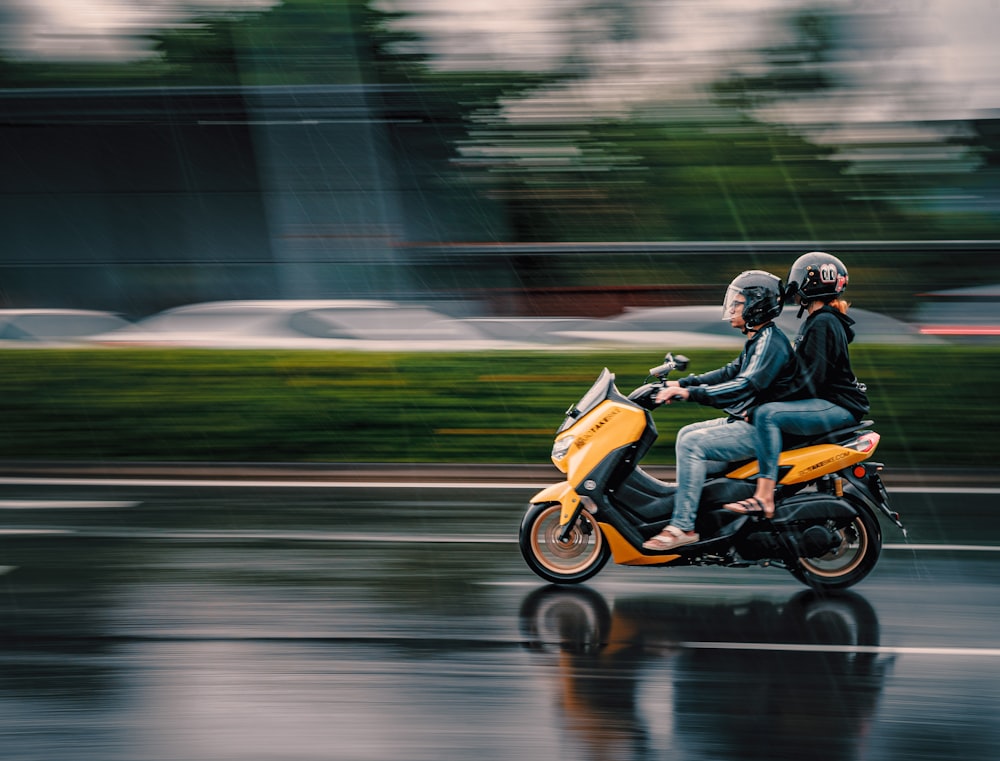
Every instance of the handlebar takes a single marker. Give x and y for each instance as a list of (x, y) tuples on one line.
[(670, 363), (645, 395)]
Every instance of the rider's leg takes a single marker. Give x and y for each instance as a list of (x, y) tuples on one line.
[(697, 444)]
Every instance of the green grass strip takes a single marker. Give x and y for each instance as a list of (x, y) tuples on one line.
[(934, 406)]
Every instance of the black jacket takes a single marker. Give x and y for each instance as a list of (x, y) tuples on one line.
[(765, 371), (825, 364)]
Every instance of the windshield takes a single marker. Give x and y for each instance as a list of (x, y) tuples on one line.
[(597, 394)]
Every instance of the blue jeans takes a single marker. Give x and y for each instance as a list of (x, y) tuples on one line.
[(806, 417), (698, 444)]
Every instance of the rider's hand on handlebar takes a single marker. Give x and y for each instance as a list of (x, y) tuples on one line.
[(671, 392)]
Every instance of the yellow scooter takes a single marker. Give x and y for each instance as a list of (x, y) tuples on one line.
[(824, 530)]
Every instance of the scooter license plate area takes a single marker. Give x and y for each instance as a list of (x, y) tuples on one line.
[(878, 489)]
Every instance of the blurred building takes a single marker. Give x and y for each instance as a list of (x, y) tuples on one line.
[(138, 199)]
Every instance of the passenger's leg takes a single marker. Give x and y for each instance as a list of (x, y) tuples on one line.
[(805, 417), (767, 444)]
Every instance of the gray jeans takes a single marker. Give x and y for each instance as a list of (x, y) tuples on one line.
[(697, 445)]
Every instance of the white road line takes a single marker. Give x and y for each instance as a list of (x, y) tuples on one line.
[(361, 537), (973, 652), (943, 547), (295, 536), (35, 531), (942, 490), (63, 504), (263, 484), (298, 484)]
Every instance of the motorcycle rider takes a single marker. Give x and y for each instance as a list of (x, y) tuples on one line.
[(835, 398), (764, 371)]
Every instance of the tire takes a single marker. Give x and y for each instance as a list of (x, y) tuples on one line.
[(565, 619), (579, 558), (861, 544)]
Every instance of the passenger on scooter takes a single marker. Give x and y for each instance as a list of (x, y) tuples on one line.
[(764, 371), (828, 395)]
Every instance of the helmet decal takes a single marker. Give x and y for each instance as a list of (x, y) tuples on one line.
[(817, 275)]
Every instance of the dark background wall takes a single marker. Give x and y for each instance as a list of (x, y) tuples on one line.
[(138, 199)]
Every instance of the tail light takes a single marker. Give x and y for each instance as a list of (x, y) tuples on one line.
[(864, 443)]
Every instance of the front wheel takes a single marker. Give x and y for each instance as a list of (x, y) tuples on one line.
[(853, 558), (577, 558)]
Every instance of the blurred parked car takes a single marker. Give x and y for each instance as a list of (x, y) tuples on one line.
[(320, 324), (703, 326), (961, 313), (387, 325), (59, 326)]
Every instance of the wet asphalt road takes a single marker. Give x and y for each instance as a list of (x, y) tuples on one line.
[(260, 622)]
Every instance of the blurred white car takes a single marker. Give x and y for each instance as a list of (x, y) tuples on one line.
[(387, 325), (961, 313), (56, 326), (305, 324), (703, 327)]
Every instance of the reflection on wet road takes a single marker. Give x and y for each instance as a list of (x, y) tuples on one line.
[(228, 623)]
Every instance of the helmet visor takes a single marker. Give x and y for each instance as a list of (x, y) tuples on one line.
[(734, 303)]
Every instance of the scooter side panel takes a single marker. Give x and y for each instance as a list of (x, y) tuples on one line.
[(624, 553), (808, 463), (618, 425), (813, 507), (646, 497)]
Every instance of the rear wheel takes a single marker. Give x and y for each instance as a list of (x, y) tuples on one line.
[(577, 558), (860, 543)]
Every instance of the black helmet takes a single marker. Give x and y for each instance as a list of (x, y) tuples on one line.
[(763, 295), (816, 276)]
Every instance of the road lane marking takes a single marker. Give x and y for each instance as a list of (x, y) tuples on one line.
[(262, 484), (295, 536), (942, 490), (972, 652), (943, 547), (64, 504), (35, 531), (363, 537), (310, 484)]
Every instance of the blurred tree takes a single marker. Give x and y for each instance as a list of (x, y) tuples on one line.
[(692, 170), (716, 168), (472, 166), (801, 66), (902, 181), (297, 42)]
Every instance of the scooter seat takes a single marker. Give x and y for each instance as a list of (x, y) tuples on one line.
[(791, 441)]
